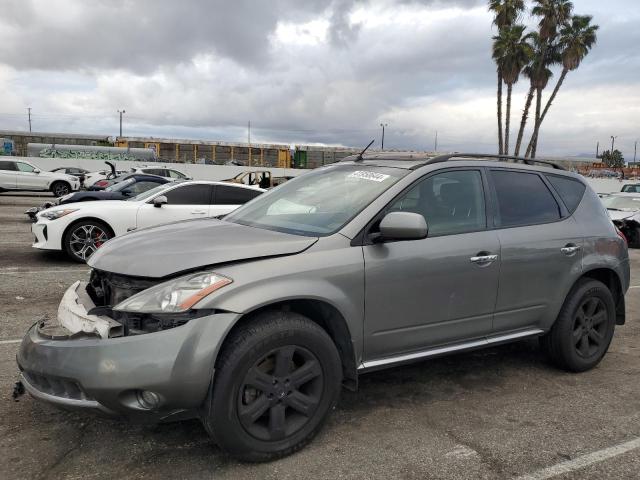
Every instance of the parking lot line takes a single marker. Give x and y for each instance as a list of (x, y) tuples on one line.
[(8, 342), (582, 461), (34, 272)]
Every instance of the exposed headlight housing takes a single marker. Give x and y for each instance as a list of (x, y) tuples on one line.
[(54, 214), (177, 295)]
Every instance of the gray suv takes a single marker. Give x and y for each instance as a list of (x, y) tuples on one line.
[(254, 322)]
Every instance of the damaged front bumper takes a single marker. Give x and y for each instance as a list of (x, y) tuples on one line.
[(74, 363)]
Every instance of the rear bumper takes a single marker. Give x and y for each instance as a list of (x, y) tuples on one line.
[(85, 372)]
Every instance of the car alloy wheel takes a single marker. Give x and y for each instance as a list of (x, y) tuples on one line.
[(280, 393), (86, 239), (590, 327), (60, 189)]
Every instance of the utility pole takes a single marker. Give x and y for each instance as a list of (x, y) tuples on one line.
[(29, 114), (249, 133), (121, 112), (635, 150), (383, 125), (435, 146), (598, 150), (613, 141)]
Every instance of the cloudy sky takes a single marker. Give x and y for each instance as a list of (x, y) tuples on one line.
[(303, 71)]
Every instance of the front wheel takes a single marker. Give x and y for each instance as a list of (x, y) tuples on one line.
[(82, 239), (60, 188), (276, 379), (581, 335)]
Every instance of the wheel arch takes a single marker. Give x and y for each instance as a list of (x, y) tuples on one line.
[(59, 180), (612, 280), (328, 317), (84, 219)]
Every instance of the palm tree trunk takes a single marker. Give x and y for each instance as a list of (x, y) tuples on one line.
[(523, 122), (500, 141), (508, 119), (538, 108)]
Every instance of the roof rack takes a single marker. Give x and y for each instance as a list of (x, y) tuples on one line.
[(501, 158)]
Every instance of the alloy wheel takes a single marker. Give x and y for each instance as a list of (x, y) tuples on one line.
[(60, 189), (280, 393), (590, 327), (86, 239)]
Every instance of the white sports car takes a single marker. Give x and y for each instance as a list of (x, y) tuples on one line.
[(21, 175), (80, 229), (624, 210)]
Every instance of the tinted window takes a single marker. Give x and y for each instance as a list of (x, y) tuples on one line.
[(190, 195), (234, 195), (451, 202), (523, 199), (570, 190), (140, 187), (4, 165), (24, 167)]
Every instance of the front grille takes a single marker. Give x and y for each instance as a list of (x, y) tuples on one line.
[(56, 386), (109, 289)]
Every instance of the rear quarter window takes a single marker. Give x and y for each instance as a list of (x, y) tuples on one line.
[(571, 191)]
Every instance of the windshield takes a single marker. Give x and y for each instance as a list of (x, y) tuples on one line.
[(318, 203), (150, 193), (622, 203)]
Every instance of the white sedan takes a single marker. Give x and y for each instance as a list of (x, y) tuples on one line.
[(21, 175), (80, 229)]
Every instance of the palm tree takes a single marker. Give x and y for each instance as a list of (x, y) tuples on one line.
[(553, 15), (576, 40), (512, 52), (538, 73), (506, 13)]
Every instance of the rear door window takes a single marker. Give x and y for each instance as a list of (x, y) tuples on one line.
[(10, 166), (190, 195), (570, 190), (234, 195), (523, 199)]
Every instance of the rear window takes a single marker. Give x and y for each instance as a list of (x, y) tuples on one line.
[(4, 165), (570, 190), (523, 199)]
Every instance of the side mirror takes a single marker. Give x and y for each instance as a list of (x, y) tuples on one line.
[(159, 201), (36, 170), (403, 226)]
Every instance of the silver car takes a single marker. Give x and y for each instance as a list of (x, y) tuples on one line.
[(254, 322)]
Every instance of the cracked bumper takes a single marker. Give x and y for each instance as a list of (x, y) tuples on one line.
[(106, 375)]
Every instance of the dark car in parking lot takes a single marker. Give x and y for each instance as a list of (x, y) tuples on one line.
[(255, 322), (132, 184)]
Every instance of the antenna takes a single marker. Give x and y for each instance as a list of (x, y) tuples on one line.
[(359, 157)]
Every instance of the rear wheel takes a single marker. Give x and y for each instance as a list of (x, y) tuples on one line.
[(82, 239), (276, 379), (583, 331), (60, 188)]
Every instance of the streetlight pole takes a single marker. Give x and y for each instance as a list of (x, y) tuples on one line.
[(383, 125), (29, 114), (635, 150), (121, 112), (613, 141)]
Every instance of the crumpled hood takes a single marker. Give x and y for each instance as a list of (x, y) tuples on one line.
[(621, 214), (169, 249)]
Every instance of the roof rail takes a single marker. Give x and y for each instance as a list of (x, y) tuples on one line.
[(500, 158)]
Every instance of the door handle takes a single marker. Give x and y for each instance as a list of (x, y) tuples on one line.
[(570, 249), (483, 259), (198, 212)]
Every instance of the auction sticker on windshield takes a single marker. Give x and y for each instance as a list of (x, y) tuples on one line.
[(373, 176)]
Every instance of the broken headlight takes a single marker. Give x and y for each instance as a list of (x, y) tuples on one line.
[(177, 295)]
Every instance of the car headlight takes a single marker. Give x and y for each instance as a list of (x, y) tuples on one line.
[(54, 214), (177, 295)]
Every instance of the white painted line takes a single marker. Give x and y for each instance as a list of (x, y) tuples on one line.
[(39, 272), (7, 342), (635, 286), (582, 461)]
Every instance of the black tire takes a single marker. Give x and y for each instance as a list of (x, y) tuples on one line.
[(588, 315), (258, 423), (60, 188), (73, 240)]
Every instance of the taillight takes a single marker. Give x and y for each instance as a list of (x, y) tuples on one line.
[(621, 235), (101, 183)]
